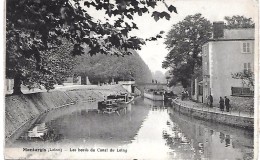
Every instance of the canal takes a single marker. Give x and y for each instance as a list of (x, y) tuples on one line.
[(144, 130)]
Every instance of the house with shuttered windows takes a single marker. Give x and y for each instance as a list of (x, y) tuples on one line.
[(228, 51)]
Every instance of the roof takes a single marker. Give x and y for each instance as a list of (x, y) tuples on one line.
[(237, 34), (241, 33)]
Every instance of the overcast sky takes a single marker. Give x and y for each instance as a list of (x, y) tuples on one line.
[(153, 53), (214, 10)]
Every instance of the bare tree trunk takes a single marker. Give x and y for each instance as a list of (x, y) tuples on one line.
[(17, 85)]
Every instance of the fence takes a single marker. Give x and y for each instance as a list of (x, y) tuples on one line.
[(241, 91)]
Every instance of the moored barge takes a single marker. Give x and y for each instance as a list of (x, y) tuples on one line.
[(156, 95)]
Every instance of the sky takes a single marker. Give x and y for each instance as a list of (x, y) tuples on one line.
[(153, 53)]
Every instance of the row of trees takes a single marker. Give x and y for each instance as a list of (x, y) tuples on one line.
[(35, 27), (184, 42), (104, 68)]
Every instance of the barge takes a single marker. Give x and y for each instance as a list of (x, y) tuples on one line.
[(156, 95), (114, 103)]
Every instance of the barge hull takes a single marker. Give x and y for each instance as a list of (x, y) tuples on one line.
[(154, 97)]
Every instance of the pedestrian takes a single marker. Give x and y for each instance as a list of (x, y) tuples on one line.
[(227, 103), (221, 104), (182, 95), (210, 100), (186, 94)]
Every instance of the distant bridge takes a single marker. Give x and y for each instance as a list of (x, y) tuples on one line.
[(143, 86)]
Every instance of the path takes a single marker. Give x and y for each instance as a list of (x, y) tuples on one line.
[(71, 87), (204, 107)]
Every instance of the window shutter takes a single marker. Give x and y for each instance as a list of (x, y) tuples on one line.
[(245, 66), (248, 47), (249, 66), (244, 47)]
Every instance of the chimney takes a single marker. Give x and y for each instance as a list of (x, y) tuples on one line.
[(218, 29)]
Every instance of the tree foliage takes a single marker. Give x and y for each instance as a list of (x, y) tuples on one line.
[(104, 68), (184, 42), (246, 76), (238, 22), (34, 27), (56, 65)]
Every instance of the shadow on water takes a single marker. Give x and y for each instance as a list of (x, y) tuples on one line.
[(211, 140), (75, 124)]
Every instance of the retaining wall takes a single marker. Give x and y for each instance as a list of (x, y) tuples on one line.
[(20, 109), (237, 121), (23, 109)]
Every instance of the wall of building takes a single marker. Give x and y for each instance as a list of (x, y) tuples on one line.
[(9, 83), (225, 58), (195, 91), (205, 71), (127, 85)]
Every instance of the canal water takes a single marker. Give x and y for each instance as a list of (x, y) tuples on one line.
[(144, 130)]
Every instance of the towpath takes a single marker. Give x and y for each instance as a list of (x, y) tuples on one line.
[(204, 107), (115, 87)]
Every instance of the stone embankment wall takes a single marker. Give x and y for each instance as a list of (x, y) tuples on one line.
[(22, 109), (232, 120), (243, 104)]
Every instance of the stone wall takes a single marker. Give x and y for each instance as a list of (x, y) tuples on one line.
[(243, 104), (23, 109), (20, 109), (237, 121)]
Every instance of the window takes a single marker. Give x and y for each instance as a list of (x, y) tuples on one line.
[(193, 87), (246, 47), (247, 67), (91, 99), (200, 90), (204, 50), (206, 66)]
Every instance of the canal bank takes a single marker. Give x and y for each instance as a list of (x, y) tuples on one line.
[(147, 130), (21, 110), (213, 115)]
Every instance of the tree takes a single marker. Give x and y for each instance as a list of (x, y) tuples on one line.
[(34, 27), (246, 76), (184, 42), (57, 63), (238, 22), (104, 68), (60, 62)]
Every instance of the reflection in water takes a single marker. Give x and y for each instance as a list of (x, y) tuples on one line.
[(213, 141), (147, 129), (227, 140), (222, 137)]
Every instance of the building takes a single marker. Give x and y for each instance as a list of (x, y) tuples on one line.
[(228, 51), (128, 85), (197, 89)]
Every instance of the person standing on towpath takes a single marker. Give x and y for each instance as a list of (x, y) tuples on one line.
[(221, 104), (227, 104), (210, 100)]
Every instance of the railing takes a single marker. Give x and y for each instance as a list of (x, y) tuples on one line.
[(241, 91)]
